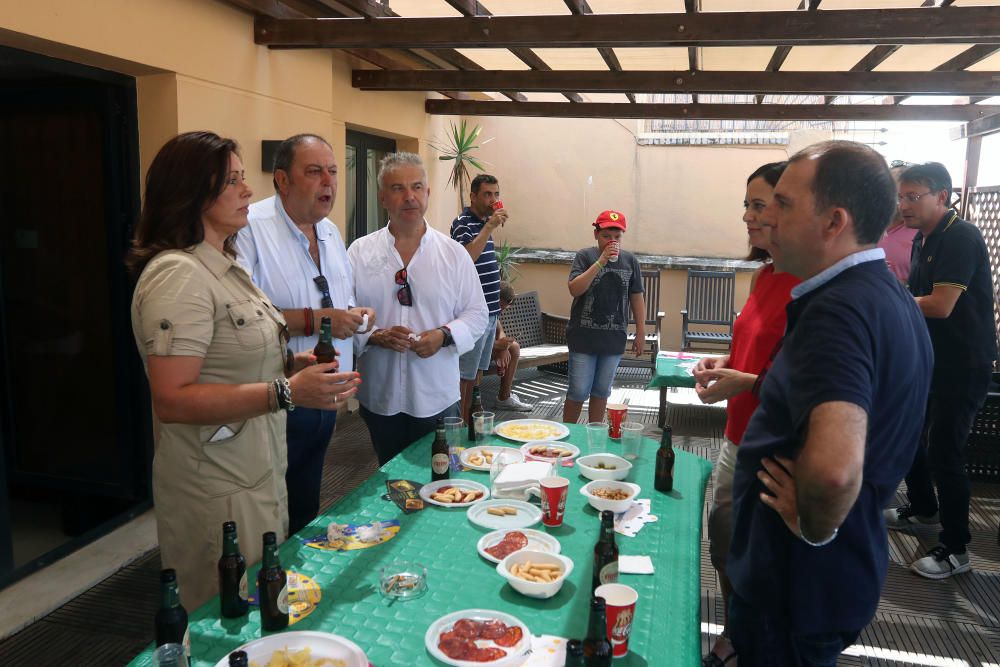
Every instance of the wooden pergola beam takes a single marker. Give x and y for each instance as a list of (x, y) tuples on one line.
[(712, 111), (979, 127), (525, 55), (781, 52), (849, 26), (686, 82), (580, 7)]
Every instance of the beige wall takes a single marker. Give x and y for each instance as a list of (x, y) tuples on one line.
[(197, 67), (556, 175), (549, 280)]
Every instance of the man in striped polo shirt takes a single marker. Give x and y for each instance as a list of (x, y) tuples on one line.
[(473, 228)]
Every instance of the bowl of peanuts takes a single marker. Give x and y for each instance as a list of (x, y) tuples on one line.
[(606, 494), (535, 574)]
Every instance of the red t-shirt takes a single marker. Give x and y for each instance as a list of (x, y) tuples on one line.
[(757, 330)]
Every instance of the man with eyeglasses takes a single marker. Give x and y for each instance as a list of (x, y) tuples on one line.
[(431, 310), (296, 255), (474, 229), (951, 280)]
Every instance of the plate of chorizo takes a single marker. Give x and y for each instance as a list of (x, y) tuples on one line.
[(474, 637)]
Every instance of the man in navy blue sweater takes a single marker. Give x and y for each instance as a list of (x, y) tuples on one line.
[(839, 419)]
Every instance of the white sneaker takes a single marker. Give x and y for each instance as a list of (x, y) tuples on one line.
[(513, 403), (903, 517), (941, 563)]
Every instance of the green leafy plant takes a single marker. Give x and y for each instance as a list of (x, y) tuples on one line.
[(508, 257), (459, 147)]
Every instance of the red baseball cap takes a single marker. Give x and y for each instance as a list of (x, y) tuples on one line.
[(609, 220)]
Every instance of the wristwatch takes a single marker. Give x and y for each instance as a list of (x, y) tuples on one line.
[(448, 339)]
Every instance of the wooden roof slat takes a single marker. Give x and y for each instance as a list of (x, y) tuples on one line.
[(526, 55), (858, 112), (872, 59), (581, 7), (781, 52), (687, 82), (850, 26), (967, 58)]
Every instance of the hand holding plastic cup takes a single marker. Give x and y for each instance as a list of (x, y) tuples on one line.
[(620, 601), (631, 439), (554, 492), (616, 248), (597, 437), (616, 415)]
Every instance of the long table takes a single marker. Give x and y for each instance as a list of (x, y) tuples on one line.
[(665, 630)]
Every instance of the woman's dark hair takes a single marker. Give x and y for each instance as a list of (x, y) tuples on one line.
[(186, 176), (770, 172)]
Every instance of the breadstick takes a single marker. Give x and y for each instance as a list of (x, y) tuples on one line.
[(508, 510), (471, 495), (496, 511)]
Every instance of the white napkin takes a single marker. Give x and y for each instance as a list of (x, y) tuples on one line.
[(546, 651), (635, 565), (518, 480), (632, 520)]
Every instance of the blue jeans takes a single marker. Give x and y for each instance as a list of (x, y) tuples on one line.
[(391, 434), (309, 433), (762, 639), (591, 375)]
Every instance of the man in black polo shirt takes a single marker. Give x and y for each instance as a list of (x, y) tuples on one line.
[(950, 278), (838, 422)]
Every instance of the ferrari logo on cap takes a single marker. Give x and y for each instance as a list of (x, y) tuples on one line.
[(614, 216)]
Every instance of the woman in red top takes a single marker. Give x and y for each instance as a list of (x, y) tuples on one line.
[(756, 332)]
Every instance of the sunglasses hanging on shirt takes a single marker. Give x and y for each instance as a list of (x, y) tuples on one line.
[(404, 294), (324, 288)]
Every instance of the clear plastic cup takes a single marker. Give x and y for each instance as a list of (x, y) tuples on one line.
[(631, 439), (597, 437)]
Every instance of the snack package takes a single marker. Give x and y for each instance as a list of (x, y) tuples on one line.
[(405, 494)]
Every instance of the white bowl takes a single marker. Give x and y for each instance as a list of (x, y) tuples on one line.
[(534, 589), (616, 506), (587, 465)]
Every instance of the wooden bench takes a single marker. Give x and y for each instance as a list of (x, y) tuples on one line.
[(542, 336)]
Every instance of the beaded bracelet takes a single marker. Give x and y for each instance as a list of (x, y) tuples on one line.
[(283, 393)]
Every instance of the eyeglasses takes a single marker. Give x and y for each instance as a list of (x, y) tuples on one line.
[(324, 288), (404, 295), (896, 164), (912, 197)]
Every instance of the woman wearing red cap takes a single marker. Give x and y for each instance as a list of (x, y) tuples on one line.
[(605, 281)]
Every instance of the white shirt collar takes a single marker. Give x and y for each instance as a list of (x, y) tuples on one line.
[(831, 272)]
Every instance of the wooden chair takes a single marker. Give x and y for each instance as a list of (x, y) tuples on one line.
[(542, 336), (710, 297), (653, 321)]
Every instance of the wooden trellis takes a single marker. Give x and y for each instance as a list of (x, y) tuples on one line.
[(982, 207)]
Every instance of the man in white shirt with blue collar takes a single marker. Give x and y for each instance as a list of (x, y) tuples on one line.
[(297, 257), (431, 310)]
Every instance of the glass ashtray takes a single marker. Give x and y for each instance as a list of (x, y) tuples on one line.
[(403, 580)]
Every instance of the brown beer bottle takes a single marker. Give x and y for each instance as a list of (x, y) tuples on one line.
[(605, 553), (325, 352), (597, 647), (664, 479), (233, 592), (574, 654), (440, 468), (475, 405), (272, 588)]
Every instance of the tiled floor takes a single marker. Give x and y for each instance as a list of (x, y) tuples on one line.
[(952, 623)]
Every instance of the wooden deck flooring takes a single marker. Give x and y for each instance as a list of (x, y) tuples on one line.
[(951, 623)]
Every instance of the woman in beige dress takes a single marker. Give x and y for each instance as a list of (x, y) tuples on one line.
[(214, 349)]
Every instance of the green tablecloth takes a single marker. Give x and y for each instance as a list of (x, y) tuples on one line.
[(666, 626), (673, 370)]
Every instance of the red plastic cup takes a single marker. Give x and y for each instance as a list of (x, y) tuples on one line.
[(497, 205), (616, 415), (554, 492), (620, 601)]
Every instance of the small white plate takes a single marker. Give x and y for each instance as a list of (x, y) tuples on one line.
[(515, 454), (515, 654), (573, 450), (519, 430), (321, 645), (527, 514), (427, 489), (537, 541)]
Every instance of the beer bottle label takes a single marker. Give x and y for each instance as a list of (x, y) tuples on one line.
[(187, 641), (244, 591), (439, 464), (609, 573)]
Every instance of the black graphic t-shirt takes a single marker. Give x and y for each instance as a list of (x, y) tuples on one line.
[(599, 317)]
